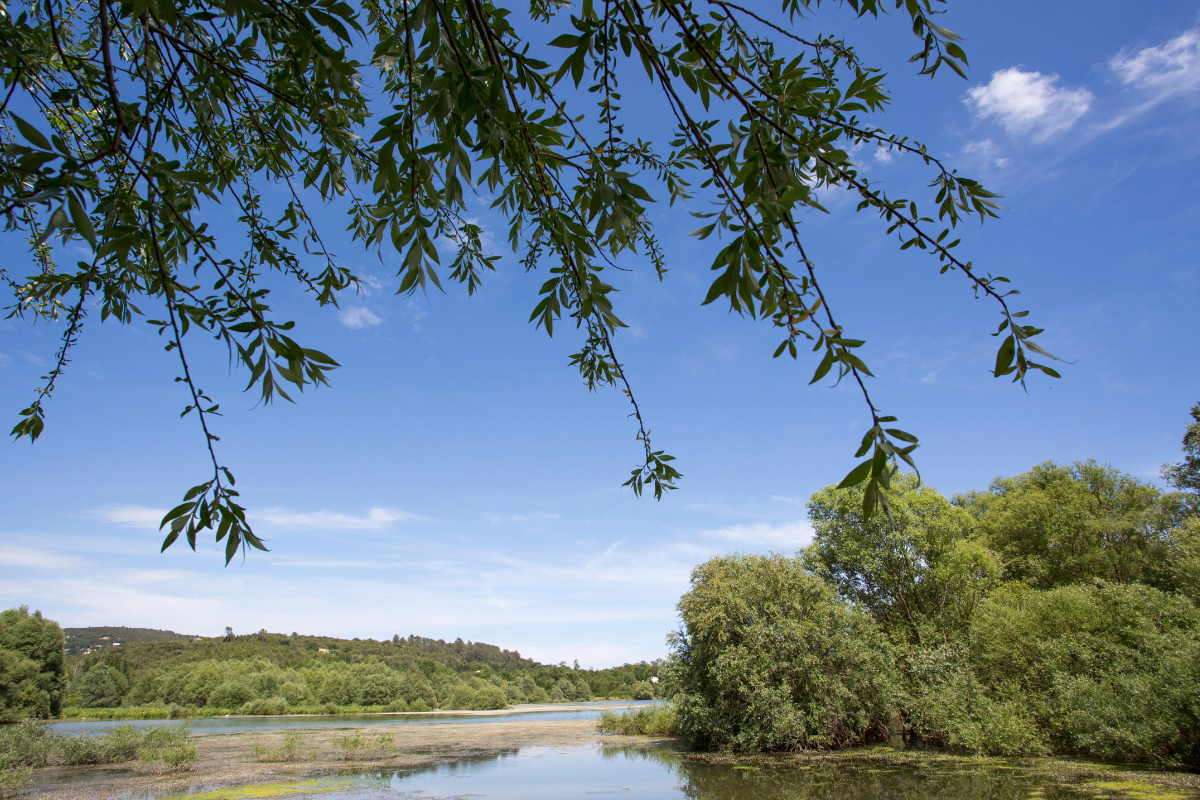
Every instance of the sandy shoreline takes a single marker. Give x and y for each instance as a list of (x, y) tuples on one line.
[(229, 759)]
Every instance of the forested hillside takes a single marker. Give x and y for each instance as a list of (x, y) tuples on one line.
[(79, 640), (268, 672)]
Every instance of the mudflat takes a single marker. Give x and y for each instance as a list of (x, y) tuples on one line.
[(241, 758)]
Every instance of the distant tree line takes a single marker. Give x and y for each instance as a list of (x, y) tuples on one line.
[(270, 673), (1054, 612)]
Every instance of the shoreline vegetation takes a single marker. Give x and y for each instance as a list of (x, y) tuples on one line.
[(135, 714)]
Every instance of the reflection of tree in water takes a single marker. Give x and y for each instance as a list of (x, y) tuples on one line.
[(842, 779), (464, 764)]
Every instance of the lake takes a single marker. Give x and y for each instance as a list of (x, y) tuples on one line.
[(584, 773), (582, 711)]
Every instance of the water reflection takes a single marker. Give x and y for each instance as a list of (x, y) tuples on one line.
[(668, 774)]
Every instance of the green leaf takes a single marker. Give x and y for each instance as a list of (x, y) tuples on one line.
[(31, 133), (856, 475)]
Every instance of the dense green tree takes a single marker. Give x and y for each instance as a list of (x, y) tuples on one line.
[(1107, 670), (1185, 475), (137, 121), (32, 666), (101, 686), (1058, 524), (770, 658), (490, 698), (918, 571)]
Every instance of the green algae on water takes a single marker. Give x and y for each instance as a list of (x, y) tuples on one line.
[(261, 791)]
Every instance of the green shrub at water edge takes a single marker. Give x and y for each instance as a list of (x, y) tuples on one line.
[(656, 721), (33, 744), (771, 659)]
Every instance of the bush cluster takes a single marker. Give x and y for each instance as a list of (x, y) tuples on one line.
[(659, 720), (1055, 613)]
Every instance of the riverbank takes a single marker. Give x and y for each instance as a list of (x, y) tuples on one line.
[(570, 758), (238, 759)]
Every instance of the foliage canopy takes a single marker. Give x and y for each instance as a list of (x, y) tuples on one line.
[(133, 119), (1055, 612), (32, 672)]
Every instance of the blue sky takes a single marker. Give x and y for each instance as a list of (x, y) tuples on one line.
[(458, 480)]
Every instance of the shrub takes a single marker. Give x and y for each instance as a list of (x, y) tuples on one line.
[(396, 705), (358, 745), (1110, 671), (231, 694), (771, 659), (271, 706), (489, 698), (418, 705), (643, 690), (33, 744), (167, 749), (295, 747), (461, 697), (657, 721)]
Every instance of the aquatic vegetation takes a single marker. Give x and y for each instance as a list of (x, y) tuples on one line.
[(295, 747), (32, 744), (283, 789), (356, 745)]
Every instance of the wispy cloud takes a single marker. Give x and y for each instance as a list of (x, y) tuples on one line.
[(1157, 73), (375, 519), (1029, 103), (1171, 67), (30, 558), (131, 516), (537, 516), (760, 534), (358, 317)]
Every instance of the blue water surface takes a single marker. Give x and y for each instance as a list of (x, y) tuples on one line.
[(230, 724)]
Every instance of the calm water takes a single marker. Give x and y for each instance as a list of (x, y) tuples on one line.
[(580, 773), (227, 724)]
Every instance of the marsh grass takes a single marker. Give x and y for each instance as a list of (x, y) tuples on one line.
[(295, 747), (32, 744), (357, 745), (655, 721)]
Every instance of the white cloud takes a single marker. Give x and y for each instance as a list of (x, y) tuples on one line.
[(5, 360), (1169, 68), (132, 516), (12, 555), (358, 317), (1029, 102), (986, 150), (537, 516), (416, 314), (789, 535), (376, 519), (931, 377), (882, 155)]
